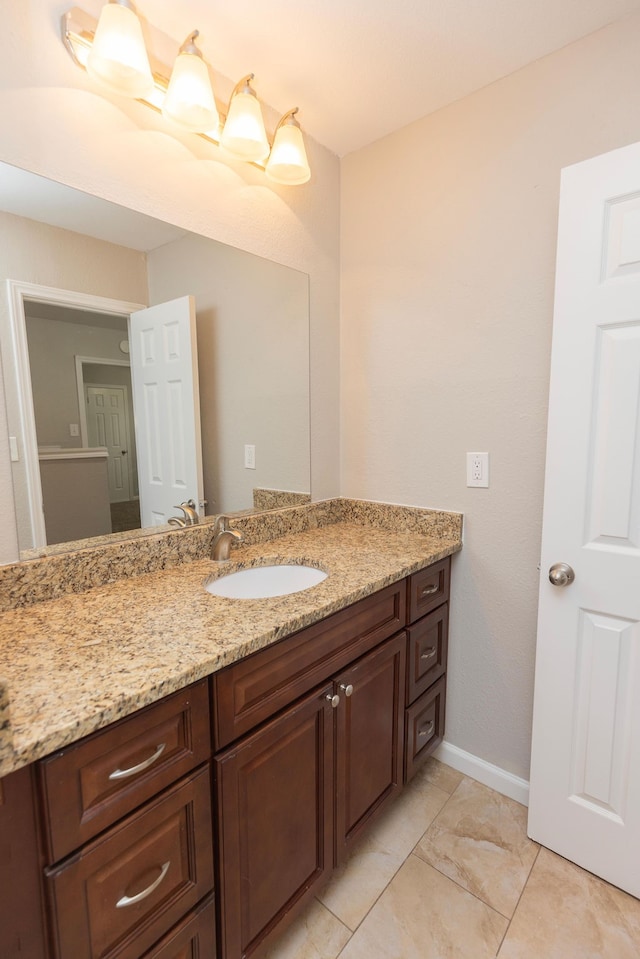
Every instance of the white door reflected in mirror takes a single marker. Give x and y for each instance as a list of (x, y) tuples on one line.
[(166, 401)]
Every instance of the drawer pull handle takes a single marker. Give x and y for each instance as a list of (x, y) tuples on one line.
[(131, 900), (427, 730), (334, 700), (430, 590), (347, 690), (125, 773), (429, 653)]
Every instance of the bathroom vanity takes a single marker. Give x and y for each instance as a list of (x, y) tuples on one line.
[(200, 824)]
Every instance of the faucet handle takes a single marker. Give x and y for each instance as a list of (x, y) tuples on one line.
[(191, 517), (221, 524)]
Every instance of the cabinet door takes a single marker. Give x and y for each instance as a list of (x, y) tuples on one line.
[(21, 913), (369, 743), (275, 822)]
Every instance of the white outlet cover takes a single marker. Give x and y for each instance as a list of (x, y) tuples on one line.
[(478, 470)]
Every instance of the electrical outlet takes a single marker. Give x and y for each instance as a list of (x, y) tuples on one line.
[(249, 457), (74, 429), (478, 469)]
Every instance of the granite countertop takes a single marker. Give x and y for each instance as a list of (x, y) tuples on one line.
[(71, 665)]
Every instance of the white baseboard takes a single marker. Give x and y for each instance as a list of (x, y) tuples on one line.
[(486, 773)]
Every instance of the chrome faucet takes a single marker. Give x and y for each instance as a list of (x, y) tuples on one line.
[(190, 517), (223, 536)]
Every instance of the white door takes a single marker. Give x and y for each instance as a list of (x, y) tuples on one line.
[(107, 426), (585, 770), (166, 404)]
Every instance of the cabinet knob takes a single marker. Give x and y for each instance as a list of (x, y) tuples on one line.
[(334, 700), (347, 690)]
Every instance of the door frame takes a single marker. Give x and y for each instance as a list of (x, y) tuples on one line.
[(82, 402), (17, 293)]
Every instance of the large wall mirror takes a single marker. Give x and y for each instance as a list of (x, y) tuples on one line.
[(74, 270)]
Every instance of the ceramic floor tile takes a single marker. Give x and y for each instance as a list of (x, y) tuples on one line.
[(356, 885), (424, 915), (479, 840), (442, 775), (566, 913), (316, 934)]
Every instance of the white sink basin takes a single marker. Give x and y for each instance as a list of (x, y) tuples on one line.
[(260, 582)]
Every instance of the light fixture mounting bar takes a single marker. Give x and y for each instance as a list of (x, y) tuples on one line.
[(78, 32)]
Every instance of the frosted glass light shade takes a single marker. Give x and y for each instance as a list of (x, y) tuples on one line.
[(118, 58), (189, 101), (288, 162), (244, 134)]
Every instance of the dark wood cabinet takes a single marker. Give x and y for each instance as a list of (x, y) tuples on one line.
[(127, 888), (427, 652), (261, 777), (296, 793), (127, 840), (255, 688), (90, 785), (369, 738), (424, 731), (427, 647), (193, 938), (428, 589), (21, 906), (275, 792)]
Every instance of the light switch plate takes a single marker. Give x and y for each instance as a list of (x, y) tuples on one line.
[(249, 456)]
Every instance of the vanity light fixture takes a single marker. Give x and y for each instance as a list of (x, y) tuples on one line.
[(189, 100), (287, 161), (112, 50), (243, 134), (118, 57)]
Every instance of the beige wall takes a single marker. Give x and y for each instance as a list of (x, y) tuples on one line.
[(54, 123), (48, 256), (53, 347), (448, 247), (252, 320)]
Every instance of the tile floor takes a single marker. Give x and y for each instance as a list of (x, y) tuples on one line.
[(449, 873)]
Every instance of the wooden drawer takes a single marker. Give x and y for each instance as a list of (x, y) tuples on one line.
[(426, 652), (125, 890), (424, 727), (193, 938), (257, 687), (428, 589), (90, 785)]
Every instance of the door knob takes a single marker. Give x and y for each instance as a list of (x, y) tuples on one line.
[(561, 574)]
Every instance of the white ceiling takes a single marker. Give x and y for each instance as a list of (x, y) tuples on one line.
[(360, 69)]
